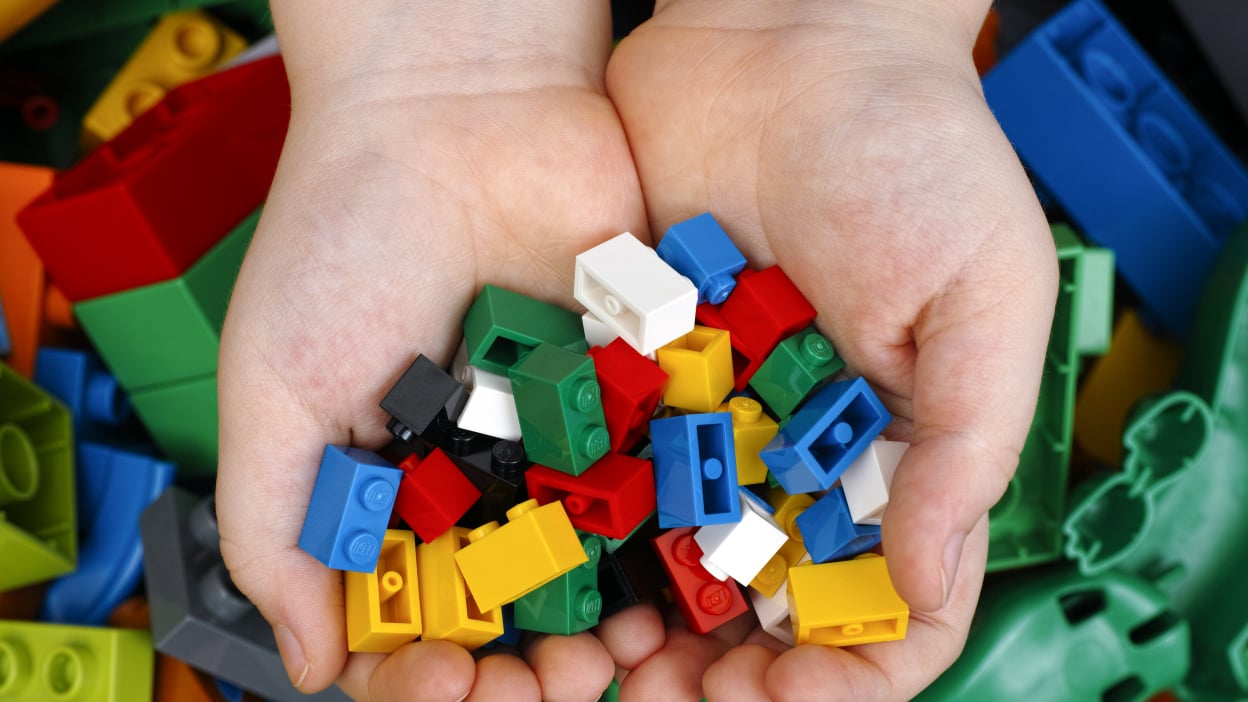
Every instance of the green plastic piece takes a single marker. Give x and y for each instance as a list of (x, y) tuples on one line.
[(612, 545), (560, 408), (1054, 635), (502, 326), (798, 365), (612, 693), (74, 20), (182, 419), (38, 523), (1025, 527), (168, 332), (54, 662), (568, 604)]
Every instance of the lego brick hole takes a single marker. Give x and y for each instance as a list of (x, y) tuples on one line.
[(607, 307), (1082, 605), (19, 466), (833, 442), (718, 492), (506, 352), (837, 635)]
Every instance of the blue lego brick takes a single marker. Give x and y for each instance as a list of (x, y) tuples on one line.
[(830, 533), (1123, 152), (6, 345), (229, 691), (695, 467), (818, 443), (98, 405), (350, 508), (700, 250)]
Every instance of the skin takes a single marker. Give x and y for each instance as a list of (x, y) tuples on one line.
[(846, 141)]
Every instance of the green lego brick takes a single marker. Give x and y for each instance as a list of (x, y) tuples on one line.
[(1096, 304), (560, 408), (502, 326), (182, 419), (612, 545), (45, 662), (38, 524), (73, 20), (612, 693), (798, 365), (570, 603), (168, 332)]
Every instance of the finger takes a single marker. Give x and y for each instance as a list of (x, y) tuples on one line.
[(675, 672), (424, 671), (570, 668), (633, 635), (739, 675), (504, 677)]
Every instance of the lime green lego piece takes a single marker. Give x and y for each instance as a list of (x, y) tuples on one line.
[(568, 604), (502, 326), (798, 365), (182, 419), (560, 407), (38, 523), (46, 662)]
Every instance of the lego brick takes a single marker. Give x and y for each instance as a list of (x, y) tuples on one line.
[(1111, 139), (350, 507), (502, 326), (76, 21), (495, 467), (417, 397), (1216, 26), (58, 662), (775, 572), (627, 286), (742, 549), (752, 430), (433, 494), (787, 508), (383, 607), (23, 284), (182, 419), (181, 47), (612, 498), (570, 603), (772, 611), (765, 308), (695, 469), (18, 14), (648, 529), (846, 603), (491, 407), (867, 479), (829, 532), (705, 603), (117, 485), (700, 250), (699, 369), (797, 366), (198, 616), (503, 564), (38, 534), (597, 332), (560, 408), (631, 387), (630, 575), (99, 408), (130, 215), (449, 610), (170, 331)]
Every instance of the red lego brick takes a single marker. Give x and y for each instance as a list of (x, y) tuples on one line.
[(433, 494), (764, 309), (143, 207), (632, 386), (705, 602), (611, 498)]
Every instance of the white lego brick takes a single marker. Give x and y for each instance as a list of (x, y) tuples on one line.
[(629, 288), (597, 332), (491, 406), (740, 550), (866, 481), (773, 612)]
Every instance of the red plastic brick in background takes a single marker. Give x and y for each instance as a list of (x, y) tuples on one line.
[(705, 602), (611, 498)]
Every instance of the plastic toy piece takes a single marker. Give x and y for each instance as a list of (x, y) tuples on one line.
[(502, 326), (612, 498), (700, 250), (629, 288), (57, 662), (181, 47), (182, 419), (350, 507), (130, 215), (418, 396), (1137, 168), (796, 367), (490, 408), (503, 564), (705, 603), (829, 532), (597, 332), (741, 550), (699, 369), (772, 608), (846, 603), (98, 406), (752, 430), (866, 481), (631, 386), (765, 308), (496, 467), (449, 610), (383, 607), (570, 603), (695, 470), (433, 494), (24, 289), (18, 14), (825, 436), (560, 408), (772, 577), (629, 575)]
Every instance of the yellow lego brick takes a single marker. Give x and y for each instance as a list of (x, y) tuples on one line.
[(503, 564), (699, 369), (15, 14), (751, 430), (181, 47), (450, 612), (771, 578), (383, 607), (787, 507), (846, 603)]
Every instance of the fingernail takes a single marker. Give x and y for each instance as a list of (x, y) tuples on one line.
[(292, 654), (949, 563)]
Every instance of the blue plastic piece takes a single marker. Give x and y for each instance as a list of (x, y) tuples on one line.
[(1123, 152), (98, 405), (818, 443), (830, 533), (350, 508), (114, 489), (695, 468), (6, 345), (229, 691), (700, 250)]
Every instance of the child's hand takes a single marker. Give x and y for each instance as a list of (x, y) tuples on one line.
[(849, 142)]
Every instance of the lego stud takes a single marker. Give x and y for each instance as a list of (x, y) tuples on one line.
[(686, 551), (839, 434), (587, 605), (718, 287), (141, 96), (459, 442), (377, 495), (485, 529), (362, 548), (14, 666), (507, 460), (745, 410), (220, 597), (774, 573), (19, 466), (577, 504), (1108, 78), (107, 403), (521, 509), (389, 585), (818, 350), (587, 396), (854, 629), (612, 305), (712, 469), (68, 671), (593, 549), (594, 441), (198, 43), (714, 598)]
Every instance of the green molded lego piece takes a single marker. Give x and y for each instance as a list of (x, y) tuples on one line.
[(1176, 514), (182, 419), (1053, 635), (798, 365), (44, 662), (560, 408), (502, 326), (38, 522), (74, 20), (568, 604), (168, 332), (1025, 527)]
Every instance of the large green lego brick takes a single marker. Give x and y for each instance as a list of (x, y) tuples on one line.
[(46, 662), (502, 326), (570, 603), (170, 331), (182, 419), (559, 403), (38, 524), (798, 365)]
